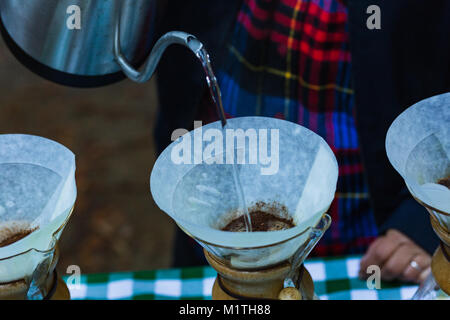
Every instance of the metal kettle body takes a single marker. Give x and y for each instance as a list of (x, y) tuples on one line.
[(76, 42)]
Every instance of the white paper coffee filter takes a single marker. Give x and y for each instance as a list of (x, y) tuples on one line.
[(197, 196), (418, 146), (37, 188)]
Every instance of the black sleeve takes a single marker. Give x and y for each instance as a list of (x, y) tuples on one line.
[(393, 68)]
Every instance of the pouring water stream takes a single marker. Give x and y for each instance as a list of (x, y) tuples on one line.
[(188, 40), (214, 89)]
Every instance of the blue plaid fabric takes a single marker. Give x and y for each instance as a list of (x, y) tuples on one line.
[(291, 59)]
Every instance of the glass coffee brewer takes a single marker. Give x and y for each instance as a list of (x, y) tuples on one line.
[(201, 195), (418, 147), (37, 195)]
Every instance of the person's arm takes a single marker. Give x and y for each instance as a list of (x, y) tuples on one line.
[(413, 220), (393, 68), (403, 249)]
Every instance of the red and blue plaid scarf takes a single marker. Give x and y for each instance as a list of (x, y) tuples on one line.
[(291, 59)]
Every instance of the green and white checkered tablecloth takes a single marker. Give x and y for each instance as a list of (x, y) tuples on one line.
[(334, 278)]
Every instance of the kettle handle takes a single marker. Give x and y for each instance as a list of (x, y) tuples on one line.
[(173, 37)]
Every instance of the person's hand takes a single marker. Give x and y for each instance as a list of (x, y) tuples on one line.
[(398, 258)]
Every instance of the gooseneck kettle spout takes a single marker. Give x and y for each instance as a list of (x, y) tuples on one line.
[(150, 64), (173, 37)]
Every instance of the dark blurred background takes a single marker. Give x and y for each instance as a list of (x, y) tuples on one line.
[(115, 226)]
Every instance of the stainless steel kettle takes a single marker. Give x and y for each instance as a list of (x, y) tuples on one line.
[(110, 39)]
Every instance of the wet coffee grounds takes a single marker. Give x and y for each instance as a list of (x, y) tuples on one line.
[(445, 182), (261, 221), (15, 237)]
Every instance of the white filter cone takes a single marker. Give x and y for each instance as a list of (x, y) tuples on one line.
[(301, 176), (418, 146), (37, 191)]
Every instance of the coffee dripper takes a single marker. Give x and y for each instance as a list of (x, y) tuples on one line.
[(199, 195), (418, 147), (37, 196)]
